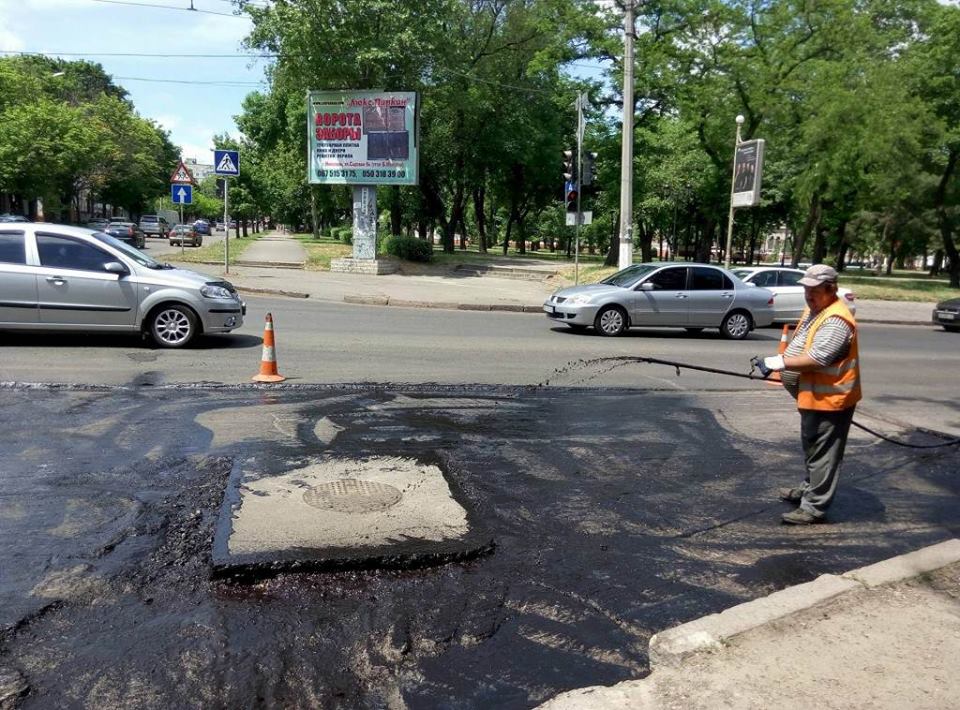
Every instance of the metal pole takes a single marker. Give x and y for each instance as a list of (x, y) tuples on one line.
[(576, 242), (226, 226), (181, 224), (733, 179), (626, 151)]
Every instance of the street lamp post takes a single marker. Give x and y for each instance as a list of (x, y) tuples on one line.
[(626, 148), (733, 178)]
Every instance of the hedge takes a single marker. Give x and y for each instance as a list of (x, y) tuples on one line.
[(409, 248)]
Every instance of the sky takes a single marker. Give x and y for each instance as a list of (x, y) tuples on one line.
[(192, 112)]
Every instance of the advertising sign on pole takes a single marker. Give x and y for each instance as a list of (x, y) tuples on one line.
[(362, 138), (747, 173)]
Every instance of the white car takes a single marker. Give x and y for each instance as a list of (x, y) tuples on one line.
[(784, 282)]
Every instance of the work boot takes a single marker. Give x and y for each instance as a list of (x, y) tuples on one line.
[(801, 517), (791, 495)]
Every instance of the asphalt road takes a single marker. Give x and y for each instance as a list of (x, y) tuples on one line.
[(161, 247), (907, 370), (615, 512)]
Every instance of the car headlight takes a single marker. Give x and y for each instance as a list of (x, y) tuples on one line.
[(213, 291), (580, 299)]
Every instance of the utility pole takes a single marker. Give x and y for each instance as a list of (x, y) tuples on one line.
[(733, 179), (581, 100), (626, 153)]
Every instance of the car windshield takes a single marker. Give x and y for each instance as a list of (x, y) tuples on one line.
[(629, 275), (127, 250)]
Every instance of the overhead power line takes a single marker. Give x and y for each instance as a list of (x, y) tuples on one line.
[(234, 55), (191, 81), (172, 7)]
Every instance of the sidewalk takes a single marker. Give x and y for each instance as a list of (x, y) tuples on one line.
[(273, 266), (885, 636)]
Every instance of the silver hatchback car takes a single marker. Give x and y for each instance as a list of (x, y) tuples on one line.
[(669, 295), (60, 278)]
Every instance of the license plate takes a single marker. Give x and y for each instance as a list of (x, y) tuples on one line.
[(947, 316)]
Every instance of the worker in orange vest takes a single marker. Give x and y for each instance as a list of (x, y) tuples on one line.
[(821, 370)]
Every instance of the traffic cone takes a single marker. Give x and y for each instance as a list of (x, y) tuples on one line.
[(775, 378), (268, 362)]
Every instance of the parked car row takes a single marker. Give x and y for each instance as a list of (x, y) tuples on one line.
[(59, 278)]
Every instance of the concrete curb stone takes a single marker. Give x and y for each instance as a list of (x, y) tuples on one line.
[(273, 292), (909, 565), (367, 300), (712, 632)]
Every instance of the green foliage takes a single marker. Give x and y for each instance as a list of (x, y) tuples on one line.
[(73, 132), (409, 248)]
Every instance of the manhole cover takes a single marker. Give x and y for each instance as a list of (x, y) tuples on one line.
[(349, 495)]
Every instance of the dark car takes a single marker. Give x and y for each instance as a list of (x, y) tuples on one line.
[(947, 314), (127, 232), (201, 226)]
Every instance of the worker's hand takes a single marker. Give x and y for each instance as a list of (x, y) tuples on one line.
[(774, 363)]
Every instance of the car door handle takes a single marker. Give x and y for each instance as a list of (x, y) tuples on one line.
[(726, 295), (56, 280), (682, 295)]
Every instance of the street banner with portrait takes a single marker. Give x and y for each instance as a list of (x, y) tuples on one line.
[(362, 138), (747, 173)]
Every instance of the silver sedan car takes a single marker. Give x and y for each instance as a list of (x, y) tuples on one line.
[(59, 278), (670, 295)]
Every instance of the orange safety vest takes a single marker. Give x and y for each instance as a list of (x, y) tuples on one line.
[(836, 386)]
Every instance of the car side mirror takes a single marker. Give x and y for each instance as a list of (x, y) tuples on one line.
[(646, 286), (115, 267)]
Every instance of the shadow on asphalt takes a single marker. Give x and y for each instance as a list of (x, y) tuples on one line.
[(121, 340), (665, 333)]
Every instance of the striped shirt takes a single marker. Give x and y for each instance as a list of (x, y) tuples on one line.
[(830, 344)]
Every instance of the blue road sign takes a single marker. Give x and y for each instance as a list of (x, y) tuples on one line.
[(181, 194), (226, 162)]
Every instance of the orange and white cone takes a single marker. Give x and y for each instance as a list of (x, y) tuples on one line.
[(268, 362), (775, 378)]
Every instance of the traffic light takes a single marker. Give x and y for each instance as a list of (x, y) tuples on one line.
[(589, 168), (220, 182), (571, 198), (570, 166)]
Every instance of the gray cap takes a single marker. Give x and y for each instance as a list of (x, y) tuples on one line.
[(819, 274)]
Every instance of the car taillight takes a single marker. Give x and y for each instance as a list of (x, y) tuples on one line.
[(770, 301)]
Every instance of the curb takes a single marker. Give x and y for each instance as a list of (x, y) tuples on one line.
[(713, 632), (670, 647), (272, 292), (381, 300)]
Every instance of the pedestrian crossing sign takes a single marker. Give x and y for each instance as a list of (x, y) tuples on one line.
[(226, 162), (181, 175)]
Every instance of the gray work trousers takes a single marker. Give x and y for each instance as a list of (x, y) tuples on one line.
[(824, 437)]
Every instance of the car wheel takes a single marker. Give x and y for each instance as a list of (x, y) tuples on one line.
[(576, 327), (610, 321), (952, 328), (173, 326), (694, 331), (199, 242), (736, 325)]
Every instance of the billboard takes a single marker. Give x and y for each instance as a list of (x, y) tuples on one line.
[(747, 173), (362, 138)]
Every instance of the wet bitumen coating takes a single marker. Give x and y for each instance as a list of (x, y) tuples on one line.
[(615, 514)]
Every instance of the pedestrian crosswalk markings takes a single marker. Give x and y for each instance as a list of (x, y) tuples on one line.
[(226, 165)]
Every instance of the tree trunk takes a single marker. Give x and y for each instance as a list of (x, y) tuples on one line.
[(613, 253), (842, 247), (314, 218), (479, 193), (506, 236), (819, 245), (943, 217), (646, 240), (244, 223), (396, 213), (800, 238)]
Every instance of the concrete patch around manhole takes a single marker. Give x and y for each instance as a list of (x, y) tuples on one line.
[(338, 513)]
